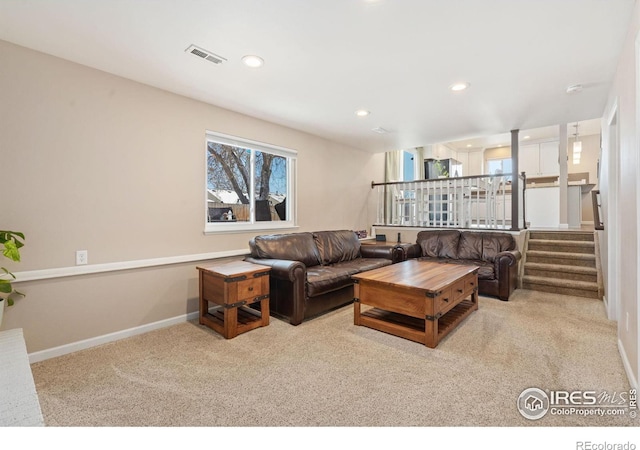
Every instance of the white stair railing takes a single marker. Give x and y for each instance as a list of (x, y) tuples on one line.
[(465, 202)]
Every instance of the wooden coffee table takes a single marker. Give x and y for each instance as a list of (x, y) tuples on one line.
[(418, 300)]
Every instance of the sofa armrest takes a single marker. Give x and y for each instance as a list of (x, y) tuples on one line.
[(377, 251), (414, 251), (509, 258), (506, 269), (288, 287), (283, 269)]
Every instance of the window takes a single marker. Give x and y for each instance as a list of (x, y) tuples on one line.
[(408, 166), (495, 166), (250, 185)]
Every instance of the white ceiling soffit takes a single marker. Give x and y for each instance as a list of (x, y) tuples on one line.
[(550, 133), (324, 59)]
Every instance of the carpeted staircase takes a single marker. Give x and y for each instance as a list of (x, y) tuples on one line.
[(562, 262)]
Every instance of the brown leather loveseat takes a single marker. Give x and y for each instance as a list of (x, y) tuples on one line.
[(311, 272), (494, 252)]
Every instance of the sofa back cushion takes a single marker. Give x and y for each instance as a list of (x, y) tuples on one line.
[(494, 243), (294, 247), (439, 243), (484, 245), (470, 246), (337, 246)]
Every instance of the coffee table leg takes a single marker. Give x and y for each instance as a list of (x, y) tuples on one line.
[(431, 332), (264, 312), (356, 304)]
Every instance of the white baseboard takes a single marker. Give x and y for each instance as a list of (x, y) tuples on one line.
[(105, 339), (627, 366)]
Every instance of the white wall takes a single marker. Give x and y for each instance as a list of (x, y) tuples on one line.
[(97, 162), (618, 180)]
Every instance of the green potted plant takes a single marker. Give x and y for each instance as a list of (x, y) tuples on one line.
[(442, 171), (11, 242)]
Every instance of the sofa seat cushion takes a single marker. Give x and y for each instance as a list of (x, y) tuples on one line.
[(337, 246), (486, 269), (363, 264), (293, 247), (323, 279)]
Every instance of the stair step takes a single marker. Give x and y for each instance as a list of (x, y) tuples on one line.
[(562, 235), (560, 290), (561, 286), (561, 258), (577, 273), (569, 246)]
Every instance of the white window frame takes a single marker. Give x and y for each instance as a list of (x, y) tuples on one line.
[(253, 225)]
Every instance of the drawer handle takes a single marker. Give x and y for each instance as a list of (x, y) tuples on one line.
[(446, 300), (250, 288), (472, 283), (460, 290)]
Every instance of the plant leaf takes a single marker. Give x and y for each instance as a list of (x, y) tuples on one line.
[(5, 287), (11, 251)]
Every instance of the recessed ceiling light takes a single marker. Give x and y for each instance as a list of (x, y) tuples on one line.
[(459, 86), (468, 145), (362, 113), (526, 137), (379, 130), (253, 61)]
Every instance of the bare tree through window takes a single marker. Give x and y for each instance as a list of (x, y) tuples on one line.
[(228, 181)]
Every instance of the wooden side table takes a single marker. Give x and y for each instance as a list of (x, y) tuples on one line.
[(232, 287)]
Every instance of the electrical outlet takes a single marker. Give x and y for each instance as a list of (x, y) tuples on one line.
[(82, 257)]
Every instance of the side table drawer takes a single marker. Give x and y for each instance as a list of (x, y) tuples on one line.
[(251, 288)]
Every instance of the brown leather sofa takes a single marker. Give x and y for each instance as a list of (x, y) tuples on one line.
[(494, 253), (311, 272)]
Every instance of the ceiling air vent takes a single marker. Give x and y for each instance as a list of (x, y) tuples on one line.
[(205, 54)]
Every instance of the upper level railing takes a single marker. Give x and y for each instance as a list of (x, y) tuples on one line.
[(596, 200), (465, 202)]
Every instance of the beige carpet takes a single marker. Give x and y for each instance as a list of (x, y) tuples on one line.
[(328, 372)]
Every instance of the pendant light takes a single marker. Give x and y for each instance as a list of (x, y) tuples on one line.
[(577, 147)]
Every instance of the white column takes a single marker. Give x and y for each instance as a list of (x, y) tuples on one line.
[(563, 179)]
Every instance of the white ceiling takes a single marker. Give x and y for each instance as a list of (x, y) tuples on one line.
[(324, 59)]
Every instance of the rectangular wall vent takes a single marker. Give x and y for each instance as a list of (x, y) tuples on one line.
[(205, 54)]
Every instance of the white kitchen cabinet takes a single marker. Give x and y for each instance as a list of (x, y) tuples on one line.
[(549, 164), (539, 160)]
